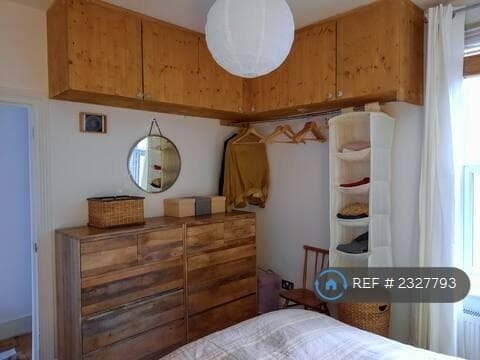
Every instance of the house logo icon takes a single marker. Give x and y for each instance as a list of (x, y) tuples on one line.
[(330, 285)]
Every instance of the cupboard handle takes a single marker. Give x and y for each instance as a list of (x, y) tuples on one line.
[(330, 96), (140, 95), (252, 109), (148, 96), (339, 93)]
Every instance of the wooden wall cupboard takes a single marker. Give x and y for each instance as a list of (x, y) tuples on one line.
[(373, 53), (139, 292), (100, 53)]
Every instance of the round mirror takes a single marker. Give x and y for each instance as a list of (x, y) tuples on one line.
[(154, 163)]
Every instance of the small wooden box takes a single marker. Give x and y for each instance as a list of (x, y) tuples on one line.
[(218, 204), (179, 207)]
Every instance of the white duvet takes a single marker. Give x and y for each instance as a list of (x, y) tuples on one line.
[(297, 334)]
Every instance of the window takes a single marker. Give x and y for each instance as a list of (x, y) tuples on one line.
[(470, 159)]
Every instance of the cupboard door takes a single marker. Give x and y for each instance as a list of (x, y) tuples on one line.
[(170, 64), (367, 57), (219, 89), (312, 65), (105, 49)]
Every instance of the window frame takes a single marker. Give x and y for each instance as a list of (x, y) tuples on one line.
[(468, 193)]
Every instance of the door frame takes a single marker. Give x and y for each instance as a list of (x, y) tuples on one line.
[(42, 270)]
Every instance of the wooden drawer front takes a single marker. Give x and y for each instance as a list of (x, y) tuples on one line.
[(102, 256), (220, 277), (131, 320), (99, 295), (221, 317), (160, 245), (204, 237), (148, 345), (239, 229)]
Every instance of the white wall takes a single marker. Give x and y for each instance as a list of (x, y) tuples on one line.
[(86, 165), (15, 242), (23, 44)]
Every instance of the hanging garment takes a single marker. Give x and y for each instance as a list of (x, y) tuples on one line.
[(247, 175), (221, 181)]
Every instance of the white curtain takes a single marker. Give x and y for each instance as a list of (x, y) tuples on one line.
[(436, 324)]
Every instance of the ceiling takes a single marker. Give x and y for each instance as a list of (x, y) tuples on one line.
[(192, 13)]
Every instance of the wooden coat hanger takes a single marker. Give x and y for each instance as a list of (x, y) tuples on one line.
[(314, 129), (285, 130), (249, 136)]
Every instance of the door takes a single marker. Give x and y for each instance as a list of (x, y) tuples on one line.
[(16, 287), (105, 50), (367, 57), (170, 64), (218, 89)]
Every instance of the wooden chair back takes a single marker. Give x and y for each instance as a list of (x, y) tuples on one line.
[(318, 252)]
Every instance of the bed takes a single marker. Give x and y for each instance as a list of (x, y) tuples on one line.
[(297, 334)]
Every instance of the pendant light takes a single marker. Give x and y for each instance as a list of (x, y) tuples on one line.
[(249, 38)]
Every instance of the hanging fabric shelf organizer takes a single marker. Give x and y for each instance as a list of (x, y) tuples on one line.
[(377, 129)]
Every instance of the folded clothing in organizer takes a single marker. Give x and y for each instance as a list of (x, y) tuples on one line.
[(354, 211), (355, 146), (359, 245), (364, 181)]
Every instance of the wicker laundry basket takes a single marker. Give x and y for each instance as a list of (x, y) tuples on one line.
[(370, 317)]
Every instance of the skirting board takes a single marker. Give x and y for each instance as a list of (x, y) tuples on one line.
[(16, 327)]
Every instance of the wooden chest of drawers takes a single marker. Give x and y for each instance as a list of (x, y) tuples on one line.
[(139, 292)]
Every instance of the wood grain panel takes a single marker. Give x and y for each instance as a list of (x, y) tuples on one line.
[(67, 255), (204, 237), (150, 344), (211, 273), (57, 48), (131, 320), (117, 293), (411, 52), (220, 257), (312, 65), (367, 50), (220, 292), (170, 64), (160, 245), (471, 65), (239, 229), (218, 89), (108, 255), (105, 49), (221, 317)]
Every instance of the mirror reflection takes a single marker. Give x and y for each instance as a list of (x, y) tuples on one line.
[(154, 164)]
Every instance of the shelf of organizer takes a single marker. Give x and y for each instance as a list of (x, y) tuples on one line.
[(351, 156), (357, 190), (354, 222), (358, 256)]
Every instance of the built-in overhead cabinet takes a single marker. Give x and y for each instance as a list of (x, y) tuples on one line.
[(380, 52), (94, 49), (170, 64), (307, 76), (100, 53)]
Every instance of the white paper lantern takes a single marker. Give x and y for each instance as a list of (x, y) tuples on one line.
[(249, 38)]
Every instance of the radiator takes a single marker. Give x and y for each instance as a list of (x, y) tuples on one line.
[(471, 331)]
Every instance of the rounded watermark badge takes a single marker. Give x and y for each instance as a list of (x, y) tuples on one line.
[(330, 285)]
